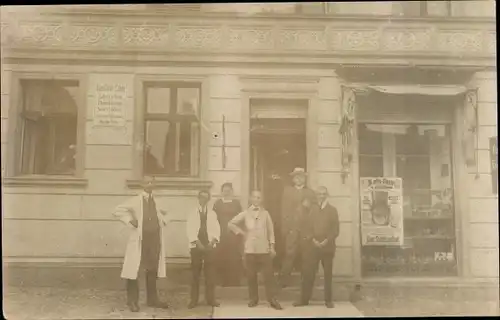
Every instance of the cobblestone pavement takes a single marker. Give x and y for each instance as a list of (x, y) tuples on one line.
[(66, 303), (55, 303)]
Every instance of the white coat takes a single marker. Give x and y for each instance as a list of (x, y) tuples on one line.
[(126, 212), (193, 226)]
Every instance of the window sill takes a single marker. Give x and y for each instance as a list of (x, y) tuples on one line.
[(173, 183), (36, 180)]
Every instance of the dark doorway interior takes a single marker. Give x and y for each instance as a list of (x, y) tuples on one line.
[(277, 147)]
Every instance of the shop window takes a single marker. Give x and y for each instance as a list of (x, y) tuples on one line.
[(171, 146), (48, 128), (421, 8), (420, 155)]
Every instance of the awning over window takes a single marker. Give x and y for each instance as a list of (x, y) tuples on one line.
[(429, 90)]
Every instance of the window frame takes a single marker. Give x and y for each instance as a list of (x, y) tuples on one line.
[(13, 176), (424, 10), (173, 117), (199, 181)]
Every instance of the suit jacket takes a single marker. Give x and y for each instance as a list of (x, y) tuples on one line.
[(291, 202), (320, 224)]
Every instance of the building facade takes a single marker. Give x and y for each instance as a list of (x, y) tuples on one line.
[(399, 95)]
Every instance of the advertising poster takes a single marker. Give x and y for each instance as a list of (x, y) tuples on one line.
[(381, 211)]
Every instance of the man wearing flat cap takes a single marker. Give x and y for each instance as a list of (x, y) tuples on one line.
[(291, 208)]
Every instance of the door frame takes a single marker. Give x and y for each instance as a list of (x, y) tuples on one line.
[(279, 88)]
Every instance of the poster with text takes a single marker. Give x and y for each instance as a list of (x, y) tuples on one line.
[(381, 211)]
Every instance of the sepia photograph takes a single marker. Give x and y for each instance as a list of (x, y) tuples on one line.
[(249, 160)]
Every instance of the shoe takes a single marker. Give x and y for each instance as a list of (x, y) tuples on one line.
[(300, 304), (133, 306), (158, 304), (253, 304), (329, 305), (214, 304), (192, 305), (275, 305)]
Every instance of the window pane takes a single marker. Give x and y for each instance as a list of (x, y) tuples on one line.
[(406, 8), (169, 148), (438, 8), (49, 129), (158, 100), (184, 148), (188, 101), (371, 166), (423, 160), (64, 151), (312, 8), (155, 150), (370, 141), (414, 142)]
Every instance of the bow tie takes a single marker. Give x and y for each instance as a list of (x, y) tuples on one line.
[(255, 209)]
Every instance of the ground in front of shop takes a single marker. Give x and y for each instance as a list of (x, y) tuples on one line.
[(104, 298)]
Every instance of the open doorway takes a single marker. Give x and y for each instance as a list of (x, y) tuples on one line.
[(277, 147)]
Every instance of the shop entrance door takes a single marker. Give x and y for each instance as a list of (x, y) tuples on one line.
[(277, 147)]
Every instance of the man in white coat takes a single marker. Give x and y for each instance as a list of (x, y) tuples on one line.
[(203, 231), (145, 248)]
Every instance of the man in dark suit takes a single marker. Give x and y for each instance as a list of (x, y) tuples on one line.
[(319, 228), (290, 212)]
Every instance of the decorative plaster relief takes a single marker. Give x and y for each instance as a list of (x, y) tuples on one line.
[(250, 39), (40, 34), (145, 35), (84, 35), (365, 40), (491, 43), (299, 39), (406, 40), (460, 41), (371, 38), (5, 33), (198, 37)]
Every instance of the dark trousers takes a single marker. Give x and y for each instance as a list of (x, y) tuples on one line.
[(264, 263), (310, 263), (291, 253), (202, 260), (151, 290), (150, 255)]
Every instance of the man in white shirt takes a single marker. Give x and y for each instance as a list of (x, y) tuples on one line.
[(203, 232), (256, 226)]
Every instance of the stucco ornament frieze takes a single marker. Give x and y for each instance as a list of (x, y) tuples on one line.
[(227, 36), (247, 38), (82, 35), (406, 40), (461, 41), (297, 39), (145, 35), (355, 39), (5, 33), (40, 34), (491, 43), (198, 37)]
